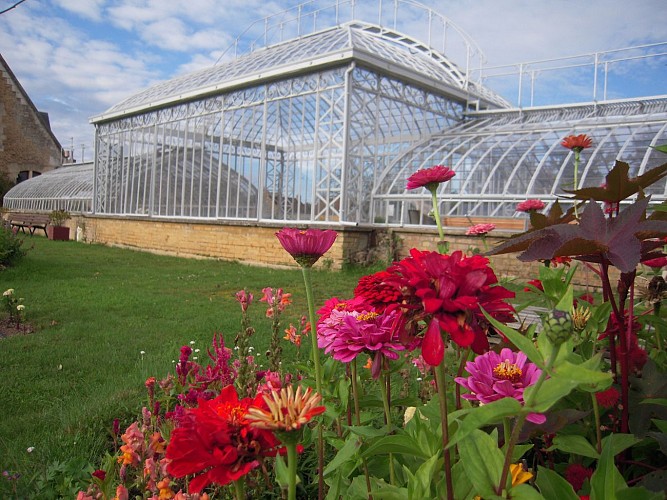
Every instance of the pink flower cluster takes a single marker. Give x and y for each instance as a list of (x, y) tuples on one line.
[(530, 206), (480, 229)]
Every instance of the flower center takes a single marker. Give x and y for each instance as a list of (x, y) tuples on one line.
[(508, 371), (369, 316), (233, 413)]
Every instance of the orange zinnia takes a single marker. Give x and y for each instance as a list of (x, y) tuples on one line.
[(577, 143)]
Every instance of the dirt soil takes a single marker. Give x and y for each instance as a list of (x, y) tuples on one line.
[(8, 328)]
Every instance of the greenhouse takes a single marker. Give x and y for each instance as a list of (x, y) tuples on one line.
[(316, 124)]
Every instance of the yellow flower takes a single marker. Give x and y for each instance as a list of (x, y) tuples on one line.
[(519, 476)]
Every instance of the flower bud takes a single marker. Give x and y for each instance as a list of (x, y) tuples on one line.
[(558, 326)]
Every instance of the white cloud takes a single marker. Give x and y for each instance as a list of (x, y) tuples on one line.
[(88, 9)]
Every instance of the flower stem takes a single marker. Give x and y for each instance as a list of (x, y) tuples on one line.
[(576, 178), (598, 432), (521, 419), (440, 377), (387, 416), (443, 246), (357, 415), (239, 489), (307, 279), (291, 470)]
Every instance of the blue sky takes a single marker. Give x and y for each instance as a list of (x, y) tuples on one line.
[(77, 58)]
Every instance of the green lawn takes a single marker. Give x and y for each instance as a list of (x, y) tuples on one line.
[(94, 310)]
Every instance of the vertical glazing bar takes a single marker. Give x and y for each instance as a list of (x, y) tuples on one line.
[(263, 158), (595, 77), (221, 152), (151, 193)]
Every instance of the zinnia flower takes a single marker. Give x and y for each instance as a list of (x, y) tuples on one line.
[(496, 376), (577, 143), (430, 178), (306, 247), (530, 205), (480, 229), (451, 289), (285, 410), (346, 334), (215, 443), (657, 262), (376, 291), (576, 474)]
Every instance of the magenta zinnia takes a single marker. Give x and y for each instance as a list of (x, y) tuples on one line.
[(306, 246), (430, 178), (346, 334), (530, 206), (496, 376)]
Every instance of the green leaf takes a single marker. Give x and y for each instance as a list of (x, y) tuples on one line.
[(654, 401), (462, 485), (484, 415), (606, 479), (553, 486), (579, 374), (578, 445), (482, 461), (618, 442), (349, 449), (366, 431), (638, 493), (525, 492), (552, 390), (660, 424), (522, 343), (565, 303), (419, 486), (662, 148), (519, 451), (398, 443)]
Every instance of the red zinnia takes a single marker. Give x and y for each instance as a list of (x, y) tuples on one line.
[(657, 262), (577, 143), (430, 178), (451, 289), (608, 398), (306, 246), (576, 474), (480, 229), (376, 291), (530, 205), (215, 442)]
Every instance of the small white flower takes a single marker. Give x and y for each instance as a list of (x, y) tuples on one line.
[(196, 350), (8, 292), (142, 352), (20, 307), (173, 361), (195, 358), (251, 348), (31, 449), (60, 367), (192, 342), (419, 379)]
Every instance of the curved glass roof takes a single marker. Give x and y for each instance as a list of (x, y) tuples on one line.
[(505, 157), (67, 188), (368, 43)]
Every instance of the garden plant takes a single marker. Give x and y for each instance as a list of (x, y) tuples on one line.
[(418, 386)]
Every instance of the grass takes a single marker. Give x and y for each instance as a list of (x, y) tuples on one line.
[(94, 310)]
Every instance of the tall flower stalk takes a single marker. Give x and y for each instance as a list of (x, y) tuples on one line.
[(576, 143), (306, 247)]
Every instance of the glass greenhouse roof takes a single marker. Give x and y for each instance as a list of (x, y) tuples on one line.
[(368, 43), (505, 157), (67, 188)]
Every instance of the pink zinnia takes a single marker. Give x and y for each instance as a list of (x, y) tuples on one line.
[(306, 246), (530, 205), (480, 229), (346, 334), (496, 376), (430, 178)]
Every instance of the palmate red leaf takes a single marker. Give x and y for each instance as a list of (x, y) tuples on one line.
[(595, 238), (619, 186)]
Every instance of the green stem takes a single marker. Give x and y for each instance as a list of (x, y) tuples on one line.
[(440, 378), (576, 179), (387, 416), (506, 430), (239, 489), (357, 419), (307, 279), (658, 329), (291, 470), (598, 432), (518, 425), (313, 328), (443, 246)]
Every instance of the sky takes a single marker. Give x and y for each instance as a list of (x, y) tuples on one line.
[(77, 58)]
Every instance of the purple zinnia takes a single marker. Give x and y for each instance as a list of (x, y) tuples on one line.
[(306, 246), (496, 376)]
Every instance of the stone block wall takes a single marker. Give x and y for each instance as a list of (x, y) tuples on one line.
[(258, 245)]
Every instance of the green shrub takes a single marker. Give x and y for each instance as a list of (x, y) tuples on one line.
[(10, 246)]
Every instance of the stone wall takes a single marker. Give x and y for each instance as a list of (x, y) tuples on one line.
[(258, 245), (26, 142)]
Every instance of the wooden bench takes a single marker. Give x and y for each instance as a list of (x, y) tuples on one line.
[(31, 222)]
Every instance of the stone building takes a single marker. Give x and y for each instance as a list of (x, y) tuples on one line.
[(28, 147)]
